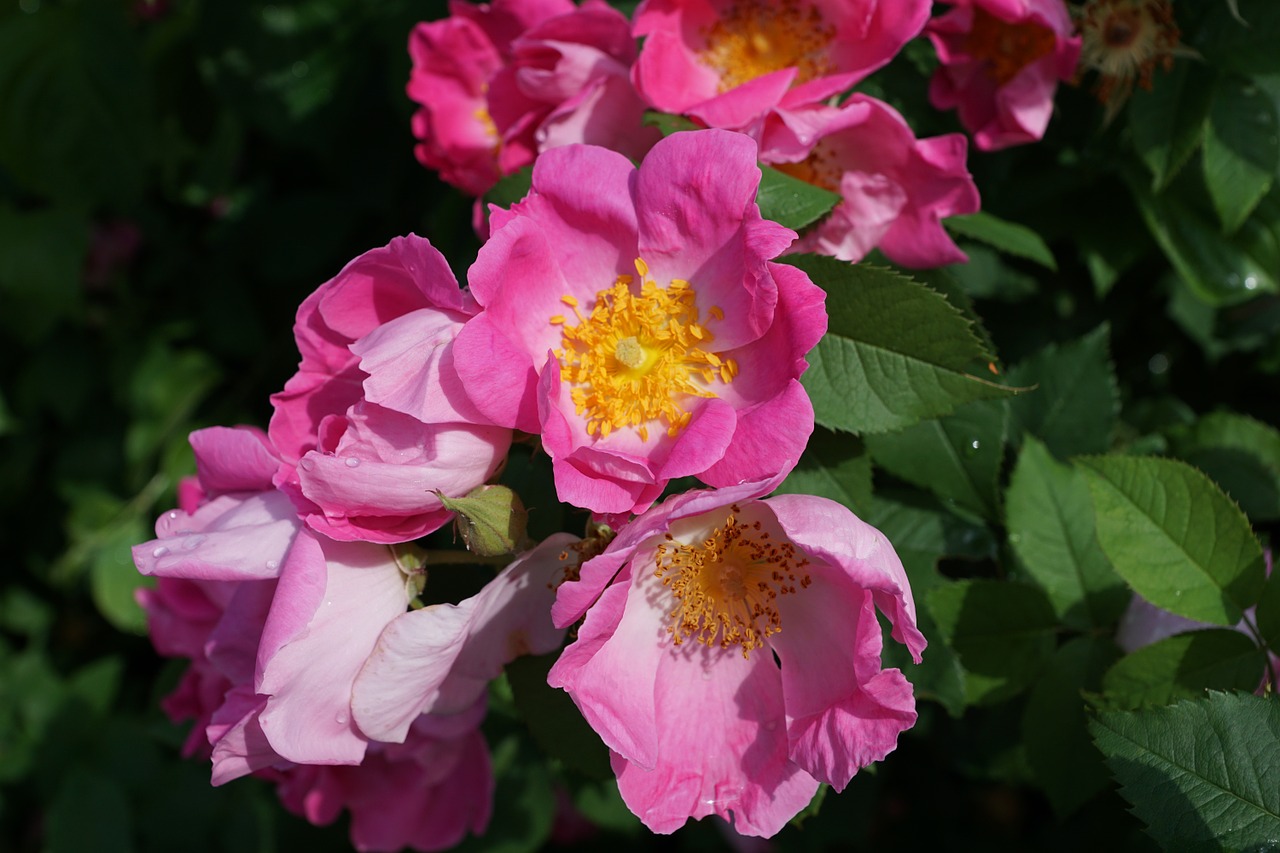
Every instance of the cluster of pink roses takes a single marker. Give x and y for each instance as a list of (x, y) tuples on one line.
[(502, 83), (635, 321)]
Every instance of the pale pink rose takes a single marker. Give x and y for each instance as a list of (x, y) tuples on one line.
[(728, 62), (895, 189), (375, 421), (440, 659), (730, 654), (1001, 63), (632, 318), (299, 612), (499, 84)]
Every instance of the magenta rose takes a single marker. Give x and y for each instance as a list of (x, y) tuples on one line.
[(730, 654), (633, 318), (1001, 64)]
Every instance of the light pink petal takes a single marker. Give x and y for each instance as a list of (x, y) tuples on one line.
[(440, 659), (497, 374), (308, 717), (226, 539), (233, 460), (768, 440), (239, 745), (409, 362)]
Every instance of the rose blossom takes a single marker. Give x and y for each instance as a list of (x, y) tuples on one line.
[(730, 654), (498, 84), (1001, 63), (727, 62), (632, 317), (375, 421), (895, 189)]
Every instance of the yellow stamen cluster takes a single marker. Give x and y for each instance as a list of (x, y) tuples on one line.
[(726, 586), (1006, 48), (638, 355), (821, 168), (753, 38)]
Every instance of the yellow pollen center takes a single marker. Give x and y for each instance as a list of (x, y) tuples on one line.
[(821, 168), (638, 357), (753, 38), (726, 587), (1005, 47)]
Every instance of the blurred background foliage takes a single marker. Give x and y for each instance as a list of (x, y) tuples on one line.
[(176, 175)]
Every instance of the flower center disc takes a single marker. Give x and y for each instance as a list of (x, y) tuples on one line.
[(726, 586), (1006, 47), (753, 38), (636, 357)]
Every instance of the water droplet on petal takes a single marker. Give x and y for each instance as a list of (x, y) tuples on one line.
[(160, 552), (341, 719), (172, 515), (272, 565), (306, 464), (353, 462)]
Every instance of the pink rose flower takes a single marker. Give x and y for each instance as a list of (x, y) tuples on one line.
[(632, 317), (895, 189), (1001, 63), (375, 421), (730, 654), (499, 84), (440, 659), (728, 62)]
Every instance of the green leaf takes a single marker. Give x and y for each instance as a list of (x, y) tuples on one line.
[(895, 351), (1075, 402), (554, 720), (1009, 237), (957, 457), (1049, 515), (986, 276), (1183, 667), (1200, 774), (1055, 729), (668, 123), (1175, 537), (113, 578), (836, 466), (1240, 36), (510, 188), (1241, 454), (1223, 270), (1004, 633), (89, 812), (1241, 149), (1167, 122), (790, 201), (921, 536)]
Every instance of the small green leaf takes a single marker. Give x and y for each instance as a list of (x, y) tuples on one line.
[(836, 466), (554, 720), (957, 457), (1168, 121), (1200, 774), (1004, 633), (1055, 729), (668, 123), (1009, 237), (1050, 519), (1076, 400), (1183, 667), (114, 580), (510, 188), (895, 351), (1242, 456), (1175, 537), (790, 201), (1241, 149)]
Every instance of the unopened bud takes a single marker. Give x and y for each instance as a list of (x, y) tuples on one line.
[(491, 520)]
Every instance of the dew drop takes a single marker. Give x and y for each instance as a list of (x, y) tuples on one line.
[(353, 462), (1250, 283), (172, 515), (160, 552), (306, 464), (341, 719), (1158, 364), (272, 565)]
